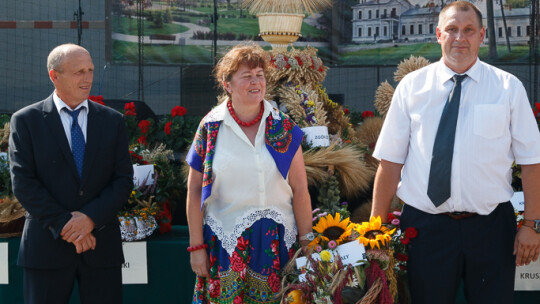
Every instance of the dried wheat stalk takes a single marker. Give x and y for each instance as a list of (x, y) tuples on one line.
[(286, 6), (409, 65), (383, 97), (353, 175)]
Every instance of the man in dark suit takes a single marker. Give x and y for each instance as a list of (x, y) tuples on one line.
[(71, 171)]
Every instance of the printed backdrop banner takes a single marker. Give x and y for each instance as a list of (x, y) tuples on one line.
[(367, 32)]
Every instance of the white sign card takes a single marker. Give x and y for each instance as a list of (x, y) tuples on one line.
[(518, 201), (351, 253), (135, 267), (317, 136), (4, 265), (528, 277), (142, 173)]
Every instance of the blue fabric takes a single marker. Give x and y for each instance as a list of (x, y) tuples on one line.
[(78, 145), (440, 172), (282, 156), (251, 274)]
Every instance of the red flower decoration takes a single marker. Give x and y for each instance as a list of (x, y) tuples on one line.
[(237, 300), (178, 111), (137, 159), (537, 106), (242, 243), (129, 109), (165, 216), (144, 125), (96, 99), (405, 241), (300, 62), (214, 288), (142, 140), (274, 246), (237, 263), (346, 111), (276, 264), (168, 128), (411, 233), (391, 217), (274, 282), (367, 114), (402, 257)]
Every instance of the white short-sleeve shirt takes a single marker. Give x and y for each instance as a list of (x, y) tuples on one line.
[(495, 127)]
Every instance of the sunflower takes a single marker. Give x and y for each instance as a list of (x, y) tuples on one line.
[(373, 234), (332, 228)]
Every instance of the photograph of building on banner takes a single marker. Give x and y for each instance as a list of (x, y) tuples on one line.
[(350, 32)]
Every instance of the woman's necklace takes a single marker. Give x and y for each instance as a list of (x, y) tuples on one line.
[(243, 123)]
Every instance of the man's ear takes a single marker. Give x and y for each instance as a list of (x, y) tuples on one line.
[(53, 75)]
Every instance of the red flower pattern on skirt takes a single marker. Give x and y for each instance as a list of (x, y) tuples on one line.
[(214, 288), (237, 262), (274, 282)]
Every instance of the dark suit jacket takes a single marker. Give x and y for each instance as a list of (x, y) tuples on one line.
[(46, 182)]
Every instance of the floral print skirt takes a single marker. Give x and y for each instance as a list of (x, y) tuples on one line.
[(251, 273)]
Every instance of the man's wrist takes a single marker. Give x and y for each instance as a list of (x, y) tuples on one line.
[(532, 224)]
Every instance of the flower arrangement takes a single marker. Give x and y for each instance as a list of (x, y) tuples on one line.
[(148, 204), (400, 240), (331, 277), (97, 99), (176, 130)]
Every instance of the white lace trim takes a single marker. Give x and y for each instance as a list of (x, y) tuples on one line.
[(229, 240)]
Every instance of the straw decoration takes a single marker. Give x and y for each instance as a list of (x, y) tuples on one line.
[(353, 176), (302, 67), (337, 121), (383, 97), (409, 65), (288, 6)]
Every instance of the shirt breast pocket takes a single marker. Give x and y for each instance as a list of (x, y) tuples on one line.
[(489, 120)]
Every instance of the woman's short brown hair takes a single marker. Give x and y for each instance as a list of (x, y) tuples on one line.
[(249, 53)]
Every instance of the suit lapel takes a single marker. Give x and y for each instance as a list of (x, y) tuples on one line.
[(52, 119), (93, 133)]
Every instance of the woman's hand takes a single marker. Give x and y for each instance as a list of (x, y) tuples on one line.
[(304, 243), (199, 263)]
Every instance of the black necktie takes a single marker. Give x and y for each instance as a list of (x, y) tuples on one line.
[(78, 145), (443, 148)]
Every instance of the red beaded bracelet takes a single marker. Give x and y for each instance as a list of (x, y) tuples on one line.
[(198, 247)]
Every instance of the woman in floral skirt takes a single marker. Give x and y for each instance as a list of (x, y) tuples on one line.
[(247, 188)]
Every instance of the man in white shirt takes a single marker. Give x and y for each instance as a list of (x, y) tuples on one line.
[(469, 231)]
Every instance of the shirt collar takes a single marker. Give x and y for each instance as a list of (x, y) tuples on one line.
[(60, 104), (221, 113), (445, 73)]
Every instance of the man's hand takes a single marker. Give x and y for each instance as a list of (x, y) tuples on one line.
[(77, 228), (85, 243), (526, 246)]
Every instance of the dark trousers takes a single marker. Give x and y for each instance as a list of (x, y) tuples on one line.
[(477, 250), (54, 286)]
